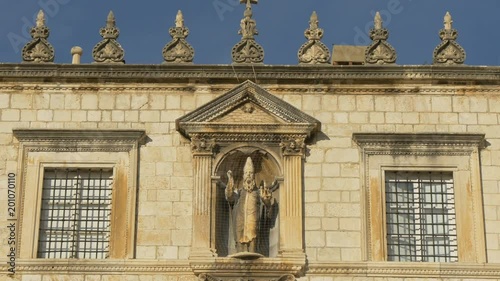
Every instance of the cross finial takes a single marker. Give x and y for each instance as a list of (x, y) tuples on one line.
[(378, 21), (249, 2), (111, 21), (247, 50), (179, 19), (40, 19), (448, 21)]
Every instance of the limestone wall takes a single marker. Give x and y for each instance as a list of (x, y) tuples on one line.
[(334, 205)]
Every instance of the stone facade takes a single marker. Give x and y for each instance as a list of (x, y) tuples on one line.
[(349, 103)]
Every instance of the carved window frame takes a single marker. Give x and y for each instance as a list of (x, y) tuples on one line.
[(458, 153), (116, 149)]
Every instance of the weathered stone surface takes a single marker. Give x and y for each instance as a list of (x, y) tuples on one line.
[(334, 194)]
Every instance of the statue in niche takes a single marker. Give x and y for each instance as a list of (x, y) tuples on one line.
[(249, 205)]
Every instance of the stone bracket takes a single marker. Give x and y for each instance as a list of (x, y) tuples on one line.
[(230, 269)]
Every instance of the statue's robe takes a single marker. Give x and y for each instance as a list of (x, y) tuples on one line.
[(246, 213)]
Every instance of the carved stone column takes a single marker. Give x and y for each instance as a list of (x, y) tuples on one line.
[(291, 240), (202, 163)]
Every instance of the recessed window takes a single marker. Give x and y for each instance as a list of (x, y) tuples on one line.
[(423, 197), (76, 213), (421, 220)]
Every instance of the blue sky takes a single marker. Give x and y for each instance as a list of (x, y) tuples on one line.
[(413, 26)]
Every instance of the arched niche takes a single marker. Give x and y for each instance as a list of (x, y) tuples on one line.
[(267, 170)]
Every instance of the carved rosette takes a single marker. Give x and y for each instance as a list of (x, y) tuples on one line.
[(448, 51), (202, 146), (293, 145), (109, 50), (178, 50), (380, 51), (248, 50), (39, 50), (314, 51)]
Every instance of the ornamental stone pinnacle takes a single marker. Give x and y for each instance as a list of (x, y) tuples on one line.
[(109, 50), (39, 50), (178, 50), (248, 50), (314, 51), (449, 51), (380, 51)]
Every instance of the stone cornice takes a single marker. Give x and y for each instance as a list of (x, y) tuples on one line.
[(64, 266), (461, 75), (56, 135), (405, 270), (183, 267), (395, 140)]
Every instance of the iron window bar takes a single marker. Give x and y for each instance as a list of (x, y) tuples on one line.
[(421, 220), (76, 213)]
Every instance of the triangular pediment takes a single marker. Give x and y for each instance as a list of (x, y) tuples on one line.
[(247, 109)]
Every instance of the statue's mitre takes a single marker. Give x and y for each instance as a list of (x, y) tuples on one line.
[(248, 166)]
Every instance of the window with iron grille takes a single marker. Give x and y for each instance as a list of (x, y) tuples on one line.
[(421, 221), (76, 213)]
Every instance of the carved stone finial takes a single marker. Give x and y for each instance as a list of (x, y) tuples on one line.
[(76, 53), (378, 21), (248, 50), (380, 51), (179, 19), (39, 49), (449, 51), (40, 19), (178, 50), (448, 21), (314, 51), (109, 50)]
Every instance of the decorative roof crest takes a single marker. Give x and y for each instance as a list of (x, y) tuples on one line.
[(248, 50), (314, 51), (39, 49), (449, 51), (178, 50), (380, 51), (109, 50)]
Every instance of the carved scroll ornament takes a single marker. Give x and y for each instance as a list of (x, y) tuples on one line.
[(178, 50), (380, 51), (449, 51), (314, 51), (109, 50), (39, 49)]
